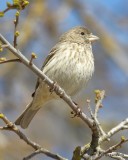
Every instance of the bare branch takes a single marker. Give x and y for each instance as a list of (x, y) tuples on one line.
[(10, 60), (118, 154), (116, 146), (90, 109), (4, 46), (112, 148), (99, 131), (46, 152), (121, 126), (16, 33), (116, 157), (6, 10), (99, 98), (38, 149)]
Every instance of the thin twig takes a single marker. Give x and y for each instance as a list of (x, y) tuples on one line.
[(10, 60), (115, 157), (116, 146), (46, 152), (99, 131), (12, 127), (90, 109), (16, 33), (121, 126), (6, 10), (100, 96), (94, 116), (4, 46), (112, 148)]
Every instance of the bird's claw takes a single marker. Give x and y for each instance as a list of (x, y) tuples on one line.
[(77, 113), (54, 87)]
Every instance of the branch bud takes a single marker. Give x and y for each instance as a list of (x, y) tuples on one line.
[(17, 33), (1, 14)]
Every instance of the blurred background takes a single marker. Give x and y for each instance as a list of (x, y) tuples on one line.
[(41, 23)]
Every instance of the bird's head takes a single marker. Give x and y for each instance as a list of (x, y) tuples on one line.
[(79, 35)]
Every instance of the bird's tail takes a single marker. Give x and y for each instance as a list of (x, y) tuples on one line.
[(27, 115)]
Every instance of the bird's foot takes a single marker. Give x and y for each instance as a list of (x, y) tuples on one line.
[(56, 88), (77, 113)]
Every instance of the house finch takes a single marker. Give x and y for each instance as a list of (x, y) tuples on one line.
[(70, 63)]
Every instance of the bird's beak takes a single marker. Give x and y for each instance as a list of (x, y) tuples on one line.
[(93, 38)]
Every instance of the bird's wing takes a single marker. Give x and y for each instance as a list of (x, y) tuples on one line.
[(47, 60)]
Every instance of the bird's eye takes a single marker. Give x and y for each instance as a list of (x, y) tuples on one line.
[(82, 33)]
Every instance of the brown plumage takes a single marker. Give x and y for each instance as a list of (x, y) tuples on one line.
[(70, 63)]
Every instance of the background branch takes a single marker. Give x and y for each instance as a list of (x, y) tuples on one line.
[(11, 60), (121, 126), (38, 149)]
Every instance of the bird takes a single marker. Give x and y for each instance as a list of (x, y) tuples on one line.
[(70, 64)]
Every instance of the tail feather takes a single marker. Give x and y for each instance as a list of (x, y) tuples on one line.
[(26, 117)]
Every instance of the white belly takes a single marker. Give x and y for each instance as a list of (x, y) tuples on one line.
[(72, 73)]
